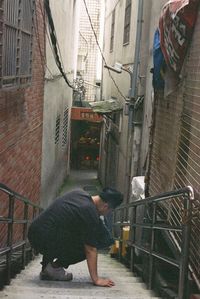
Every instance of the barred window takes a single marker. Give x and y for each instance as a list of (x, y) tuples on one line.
[(65, 127), (112, 31), (16, 33), (57, 130), (127, 22)]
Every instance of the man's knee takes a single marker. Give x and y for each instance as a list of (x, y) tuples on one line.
[(67, 260)]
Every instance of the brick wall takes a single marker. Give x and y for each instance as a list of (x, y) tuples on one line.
[(21, 116)]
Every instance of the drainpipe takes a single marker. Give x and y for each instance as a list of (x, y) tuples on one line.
[(137, 51), (132, 130), (102, 177)]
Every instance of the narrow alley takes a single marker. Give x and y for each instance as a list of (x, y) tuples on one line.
[(100, 96)]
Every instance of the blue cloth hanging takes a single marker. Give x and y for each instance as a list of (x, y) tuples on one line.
[(158, 64)]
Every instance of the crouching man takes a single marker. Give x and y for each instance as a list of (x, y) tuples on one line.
[(68, 231)]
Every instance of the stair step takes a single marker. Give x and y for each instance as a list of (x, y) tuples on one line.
[(67, 296), (122, 279), (72, 288), (27, 284)]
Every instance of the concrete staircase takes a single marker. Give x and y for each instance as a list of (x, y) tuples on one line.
[(27, 284)]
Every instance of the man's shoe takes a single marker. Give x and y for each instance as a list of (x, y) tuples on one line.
[(58, 274)]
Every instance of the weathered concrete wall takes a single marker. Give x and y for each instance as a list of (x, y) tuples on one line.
[(124, 54), (57, 101)]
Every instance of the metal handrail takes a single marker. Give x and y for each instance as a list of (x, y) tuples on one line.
[(10, 220), (186, 195)]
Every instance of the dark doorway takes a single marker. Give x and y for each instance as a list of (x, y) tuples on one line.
[(85, 141)]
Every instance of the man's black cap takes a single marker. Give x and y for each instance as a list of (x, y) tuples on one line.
[(111, 196)]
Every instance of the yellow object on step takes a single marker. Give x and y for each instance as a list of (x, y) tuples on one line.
[(125, 238)]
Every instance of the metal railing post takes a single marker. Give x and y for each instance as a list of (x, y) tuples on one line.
[(186, 195), (121, 233), (120, 243), (151, 258), (14, 244), (9, 237), (34, 213), (184, 259), (132, 236), (25, 229)]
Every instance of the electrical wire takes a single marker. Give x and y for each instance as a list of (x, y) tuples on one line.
[(55, 43), (86, 43), (36, 29), (97, 42), (59, 49), (113, 9), (49, 40)]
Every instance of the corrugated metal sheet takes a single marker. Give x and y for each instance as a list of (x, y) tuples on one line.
[(175, 152), (164, 146)]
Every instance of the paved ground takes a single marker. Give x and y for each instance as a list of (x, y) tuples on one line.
[(86, 179)]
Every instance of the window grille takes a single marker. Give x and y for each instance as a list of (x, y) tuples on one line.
[(16, 34), (127, 22), (65, 127), (57, 130), (112, 31)]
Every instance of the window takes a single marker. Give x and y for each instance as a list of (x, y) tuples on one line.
[(127, 22), (57, 129), (16, 32), (112, 31), (65, 127)]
